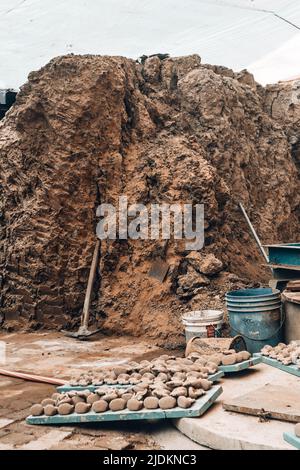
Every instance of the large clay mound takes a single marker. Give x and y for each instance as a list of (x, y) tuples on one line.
[(86, 129)]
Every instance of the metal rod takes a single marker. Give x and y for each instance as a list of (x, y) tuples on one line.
[(254, 233)]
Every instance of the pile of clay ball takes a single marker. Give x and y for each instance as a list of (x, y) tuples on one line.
[(165, 383), (227, 357), (161, 369), (286, 354)]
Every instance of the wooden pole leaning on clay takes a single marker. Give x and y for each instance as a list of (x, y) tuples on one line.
[(208, 346), (31, 377)]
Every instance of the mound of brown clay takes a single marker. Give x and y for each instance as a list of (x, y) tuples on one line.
[(37, 410), (65, 409), (100, 406), (117, 404)]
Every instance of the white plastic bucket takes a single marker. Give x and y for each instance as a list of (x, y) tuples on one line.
[(203, 323)]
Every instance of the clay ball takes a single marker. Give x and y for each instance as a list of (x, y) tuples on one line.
[(82, 408), (100, 406), (37, 410), (92, 398), (246, 355), (134, 405), (65, 409), (48, 401), (50, 410), (166, 403), (228, 360), (151, 403), (117, 404), (184, 402)]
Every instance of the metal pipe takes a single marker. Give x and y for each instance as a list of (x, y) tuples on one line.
[(262, 250)]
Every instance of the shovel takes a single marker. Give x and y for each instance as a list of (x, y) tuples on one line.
[(159, 268), (83, 331)]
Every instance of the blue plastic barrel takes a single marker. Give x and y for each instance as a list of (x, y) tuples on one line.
[(256, 315)]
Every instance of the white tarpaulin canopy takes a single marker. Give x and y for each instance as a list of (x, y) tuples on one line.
[(261, 35)]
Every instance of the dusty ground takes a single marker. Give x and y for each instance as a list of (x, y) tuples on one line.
[(53, 354)]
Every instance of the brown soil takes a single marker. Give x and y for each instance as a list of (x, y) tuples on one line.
[(86, 129)]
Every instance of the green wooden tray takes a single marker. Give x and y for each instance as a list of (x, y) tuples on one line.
[(198, 409), (68, 388), (292, 369), (241, 365), (292, 439)]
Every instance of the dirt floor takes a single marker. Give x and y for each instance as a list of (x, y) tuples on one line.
[(52, 354)]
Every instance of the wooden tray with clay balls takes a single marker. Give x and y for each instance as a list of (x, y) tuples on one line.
[(69, 388), (292, 439), (253, 361), (200, 406), (291, 369)]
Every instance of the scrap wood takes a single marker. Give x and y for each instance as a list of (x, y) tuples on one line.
[(31, 377)]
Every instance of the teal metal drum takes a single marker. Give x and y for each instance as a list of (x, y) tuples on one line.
[(256, 315)]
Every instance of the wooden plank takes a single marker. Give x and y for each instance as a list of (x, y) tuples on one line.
[(271, 401), (68, 388), (292, 439), (198, 409), (241, 365), (291, 369)]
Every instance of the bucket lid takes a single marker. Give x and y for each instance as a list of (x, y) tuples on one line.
[(203, 316), (293, 297)]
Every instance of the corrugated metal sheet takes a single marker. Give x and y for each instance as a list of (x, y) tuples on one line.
[(235, 33)]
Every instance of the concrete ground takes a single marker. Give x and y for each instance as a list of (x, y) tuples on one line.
[(224, 430), (54, 355)]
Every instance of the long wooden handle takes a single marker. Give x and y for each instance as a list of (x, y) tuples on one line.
[(87, 300), (32, 378)]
